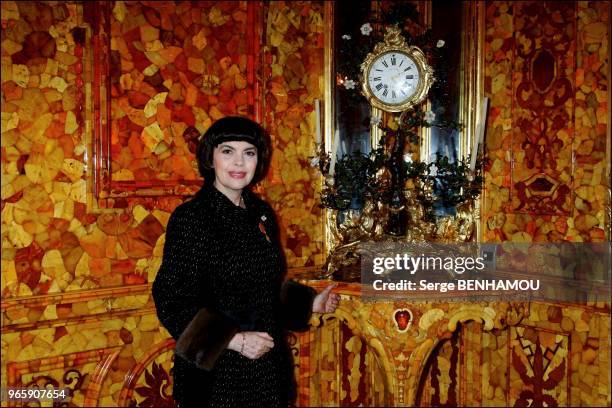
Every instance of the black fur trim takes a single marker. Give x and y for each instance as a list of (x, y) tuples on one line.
[(206, 336), (296, 305)]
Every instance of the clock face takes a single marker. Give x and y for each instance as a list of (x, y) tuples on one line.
[(393, 78)]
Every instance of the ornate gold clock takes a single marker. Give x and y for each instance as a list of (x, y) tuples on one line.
[(396, 76)]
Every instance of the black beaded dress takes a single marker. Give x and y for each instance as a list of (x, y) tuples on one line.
[(227, 260)]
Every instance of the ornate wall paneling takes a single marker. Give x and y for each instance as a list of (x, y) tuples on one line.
[(544, 91), (549, 174), (548, 180), (454, 354), (163, 72), (344, 369), (531, 361), (149, 382), (293, 79), (558, 354), (105, 344), (440, 379), (407, 352), (336, 366), (43, 145), (538, 367), (78, 374), (545, 358), (87, 192)]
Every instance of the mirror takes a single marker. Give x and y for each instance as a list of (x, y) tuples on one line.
[(445, 25), (465, 75), (351, 112)]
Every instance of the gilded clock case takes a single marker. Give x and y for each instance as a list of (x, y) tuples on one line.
[(394, 42)]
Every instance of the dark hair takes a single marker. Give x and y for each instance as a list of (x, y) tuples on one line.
[(229, 129)]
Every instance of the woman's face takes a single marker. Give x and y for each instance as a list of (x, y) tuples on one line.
[(234, 164)]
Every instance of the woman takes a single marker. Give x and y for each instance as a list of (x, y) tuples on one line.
[(219, 290)]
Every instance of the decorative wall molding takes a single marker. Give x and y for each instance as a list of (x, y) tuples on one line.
[(158, 381), (184, 88), (74, 376), (22, 314)]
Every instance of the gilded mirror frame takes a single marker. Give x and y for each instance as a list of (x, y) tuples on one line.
[(329, 113)]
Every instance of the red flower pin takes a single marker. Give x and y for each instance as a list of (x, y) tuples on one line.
[(262, 227)]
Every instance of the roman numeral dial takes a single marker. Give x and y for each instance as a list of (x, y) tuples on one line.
[(393, 77)]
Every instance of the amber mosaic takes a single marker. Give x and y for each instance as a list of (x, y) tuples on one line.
[(543, 89), (546, 180), (76, 269), (293, 72), (441, 386), (547, 356), (460, 354), (546, 183), (71, 373), (167, 72)]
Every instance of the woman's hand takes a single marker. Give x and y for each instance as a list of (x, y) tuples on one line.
[(326, 302), (251, 344)]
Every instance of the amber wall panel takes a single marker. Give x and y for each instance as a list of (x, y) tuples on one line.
[(44, 222), (335, 366), (440, 387), (76, 264), (57, 234), (293, 69), (552, 354), (559, 354), (52, 241), (163, 73), (543, 91), (546, 71)]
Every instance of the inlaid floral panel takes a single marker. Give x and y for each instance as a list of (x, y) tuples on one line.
[(546, 67), (543, 93), (149, 382), (538, 362), (71, 373), (559, 354), (105, 360)]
